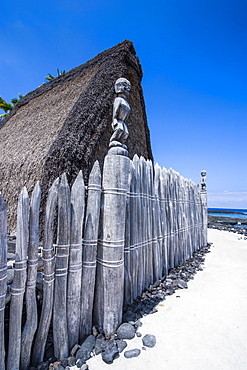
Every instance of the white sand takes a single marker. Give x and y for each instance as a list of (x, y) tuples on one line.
[(206, 326)]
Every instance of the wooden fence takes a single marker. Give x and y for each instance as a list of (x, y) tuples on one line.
[(115, 237)]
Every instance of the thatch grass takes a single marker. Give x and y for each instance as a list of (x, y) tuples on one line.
[(65, 125)]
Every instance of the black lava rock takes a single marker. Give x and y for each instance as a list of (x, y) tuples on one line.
[(57, 366), (126, 331), (71, 361), (84, 367), (87, 346), (182, 284), (43, 366), (149, 340), (80, 362), (138, 324), (99, 344), (121, 345), (110, 351), (132, 353), (64, 362)]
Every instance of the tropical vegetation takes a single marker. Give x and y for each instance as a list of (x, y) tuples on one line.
[(8, 107), (50, 77)]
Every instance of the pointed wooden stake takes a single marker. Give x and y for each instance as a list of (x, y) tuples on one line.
[(75, 260), (3, 276), (60, 324), (90, 250), (30, 297), (48, 282), (18, 285)]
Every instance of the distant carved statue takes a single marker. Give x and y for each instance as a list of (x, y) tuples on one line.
[(203, 181), (121, 110)]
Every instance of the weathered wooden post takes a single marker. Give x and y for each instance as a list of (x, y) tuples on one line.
[(3, 275), (174, 202), (48, 276), (197, 217), (171, 218), (179, 217), (165, 221), (195, 246), (204, 206), (187, 218), (136, 231), (180, 220), (144, 218), (18, 285), (197, 241), (143, 224), (193, 218), (183, 219), (60, 323), (157, 225), (75, 260), (151, 245), (130, 250), (110, 256), (90, 250), (127, 261), (192, 231), (30, 296), (135, 250)]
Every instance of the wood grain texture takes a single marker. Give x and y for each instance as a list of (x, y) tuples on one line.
[(48, 276), (75, 260), (90, 243), (18, 285), (60, 323), (110, 256), (3, 276), (31, 323)]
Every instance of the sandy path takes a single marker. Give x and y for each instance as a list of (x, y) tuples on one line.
[(204, 326)]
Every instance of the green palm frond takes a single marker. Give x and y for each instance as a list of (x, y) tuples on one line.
[(60, 73), (4, 115), (50, 77), (7, 107), (15, 100)]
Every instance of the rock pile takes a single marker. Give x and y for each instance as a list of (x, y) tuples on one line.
[(237, 230), (234, 225)]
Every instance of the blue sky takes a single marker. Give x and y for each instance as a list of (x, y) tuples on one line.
[(194, 58)]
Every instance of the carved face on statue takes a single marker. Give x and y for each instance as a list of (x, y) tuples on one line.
[(122, 85), (203, 180)]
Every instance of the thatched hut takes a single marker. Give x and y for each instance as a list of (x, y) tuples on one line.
[(65, 125)]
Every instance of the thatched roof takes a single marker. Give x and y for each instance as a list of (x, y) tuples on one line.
[(65, 125)]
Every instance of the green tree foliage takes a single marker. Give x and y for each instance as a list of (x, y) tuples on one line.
[(7, 107), (50, 77)]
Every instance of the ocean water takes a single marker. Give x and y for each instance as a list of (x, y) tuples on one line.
[(225, 212)]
